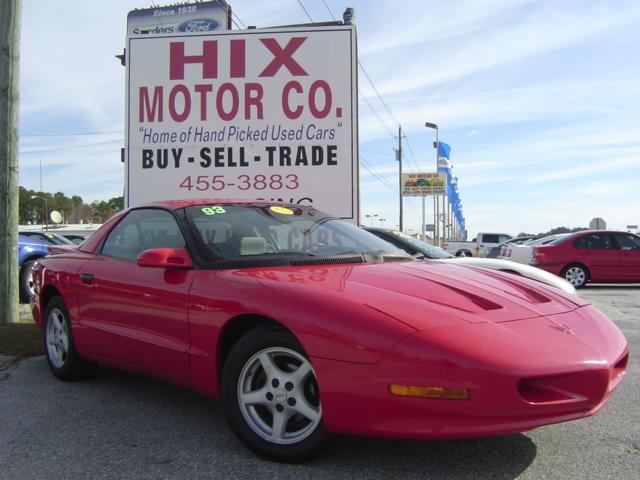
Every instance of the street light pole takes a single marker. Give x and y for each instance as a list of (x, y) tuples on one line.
[(382, 220), (46, 210), (436, 202), (371, 217)]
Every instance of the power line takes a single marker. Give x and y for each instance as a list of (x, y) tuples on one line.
[(377, 175), (329, 10), (413, 157), (305, 10), (382, 180), (72, 147), (389, 130), (389, 112), (377, 152), (71, 134)]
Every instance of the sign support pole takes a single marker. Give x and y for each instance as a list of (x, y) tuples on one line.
[(399, 153), (424, 227), (9, 105)]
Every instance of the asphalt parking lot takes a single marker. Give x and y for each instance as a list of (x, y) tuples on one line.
[(123, 426)]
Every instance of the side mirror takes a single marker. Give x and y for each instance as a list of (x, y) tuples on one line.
[(165, 258)]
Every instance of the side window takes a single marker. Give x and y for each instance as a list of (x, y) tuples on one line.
[(580, 243), (141, 230), (503, 238), (490, 238), (596, 241), (627, 242)]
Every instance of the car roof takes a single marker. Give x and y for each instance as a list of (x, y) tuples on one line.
[(176, 204)]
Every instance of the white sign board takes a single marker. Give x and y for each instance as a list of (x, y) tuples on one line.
[(268, 114)]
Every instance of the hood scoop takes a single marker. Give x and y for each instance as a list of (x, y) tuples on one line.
[(530, 293), (477, 300)]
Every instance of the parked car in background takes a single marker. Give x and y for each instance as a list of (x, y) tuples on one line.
[(305, 326), (48, 237), (495, 251), (73, 238), (420, 249), (592, 256), (478, 247), (29, 251), (523, 253)]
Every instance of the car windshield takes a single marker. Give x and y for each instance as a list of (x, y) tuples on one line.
[(429, 251), (241, 232)]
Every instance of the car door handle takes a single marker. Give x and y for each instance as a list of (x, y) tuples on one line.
[(86, 278)]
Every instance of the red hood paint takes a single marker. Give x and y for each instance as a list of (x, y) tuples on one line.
[(422, 294)]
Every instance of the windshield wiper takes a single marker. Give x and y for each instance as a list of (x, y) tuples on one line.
[(304, 254)]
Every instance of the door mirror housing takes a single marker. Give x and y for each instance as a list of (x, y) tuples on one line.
[(165, 258)]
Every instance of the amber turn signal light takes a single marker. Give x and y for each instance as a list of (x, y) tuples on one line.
[(443, 393)]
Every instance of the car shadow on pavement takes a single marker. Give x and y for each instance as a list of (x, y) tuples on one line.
[(501, 457), (610, 286), (125, 426)]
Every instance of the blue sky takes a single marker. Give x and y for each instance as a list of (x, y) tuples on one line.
[(539, 100)]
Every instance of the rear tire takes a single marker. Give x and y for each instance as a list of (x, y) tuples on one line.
[(576, 274), (63, 360), (271, 397)]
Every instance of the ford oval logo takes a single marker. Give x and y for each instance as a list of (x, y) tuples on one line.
[(199, 25)]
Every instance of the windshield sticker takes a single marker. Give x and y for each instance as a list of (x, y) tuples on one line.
[(213, 210), (282, 210)]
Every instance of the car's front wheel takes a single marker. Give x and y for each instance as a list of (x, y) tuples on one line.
[(271, 396), (576, 275), (63, 360)]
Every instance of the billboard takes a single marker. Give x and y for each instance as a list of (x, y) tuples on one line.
[(186, 19), (423, 184), (254, 114)]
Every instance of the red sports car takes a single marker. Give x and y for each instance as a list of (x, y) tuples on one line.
[(305, 325), (592, 255)]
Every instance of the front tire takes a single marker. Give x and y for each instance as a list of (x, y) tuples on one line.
[(63, 360), (576, 275), (271, 397), (26, 281)]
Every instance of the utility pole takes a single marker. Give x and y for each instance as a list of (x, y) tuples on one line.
[(399, 155), (9, 65)]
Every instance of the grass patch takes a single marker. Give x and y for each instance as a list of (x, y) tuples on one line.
[(21, 340)]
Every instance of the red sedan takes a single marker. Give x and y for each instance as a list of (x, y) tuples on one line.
[(304, 325), (592, 256)]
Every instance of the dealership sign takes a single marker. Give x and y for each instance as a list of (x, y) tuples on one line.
[(257, 114), (423, 184), (197, 18)]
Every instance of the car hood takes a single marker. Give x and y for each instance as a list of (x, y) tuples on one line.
[(524, 270), (60, 249), (422, 294)]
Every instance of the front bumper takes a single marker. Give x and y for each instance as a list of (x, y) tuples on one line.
[(520, 375)]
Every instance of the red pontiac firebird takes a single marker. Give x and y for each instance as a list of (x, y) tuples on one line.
[(304, 325)]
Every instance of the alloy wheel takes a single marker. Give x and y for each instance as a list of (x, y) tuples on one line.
[(576, 276), (57, 338), (278, 396)]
